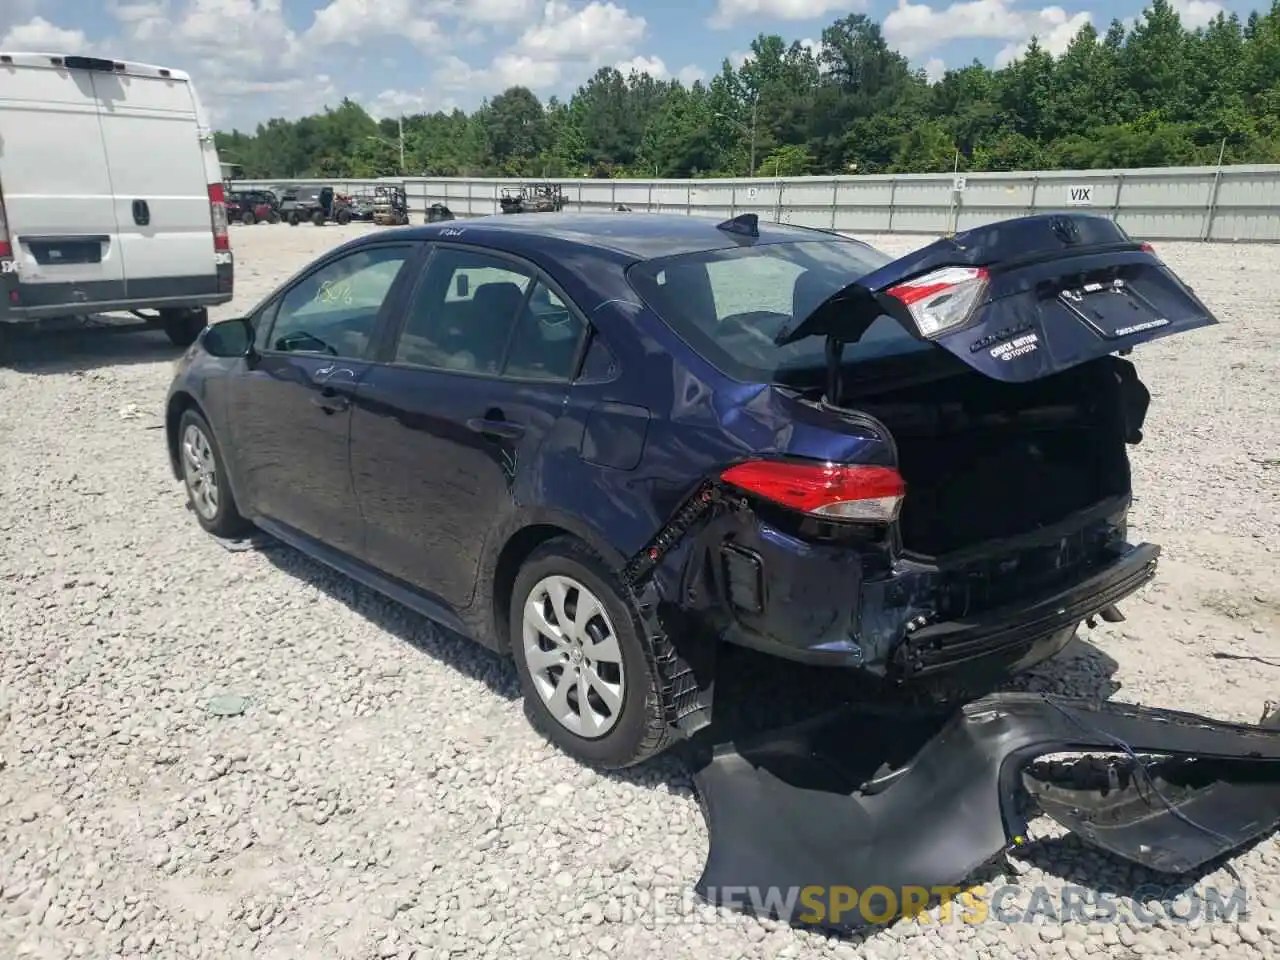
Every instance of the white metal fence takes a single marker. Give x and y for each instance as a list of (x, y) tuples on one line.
[(1233, 203)]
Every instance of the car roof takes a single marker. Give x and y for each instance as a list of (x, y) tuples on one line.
[(635, 236)]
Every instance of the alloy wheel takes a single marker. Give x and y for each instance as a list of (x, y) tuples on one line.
[(200, 471), (573, 656)]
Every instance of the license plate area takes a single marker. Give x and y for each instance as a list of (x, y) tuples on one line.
[(66, 251), (1114, 308)]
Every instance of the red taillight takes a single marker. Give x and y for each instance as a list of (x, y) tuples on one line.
[(218, 217), (942, 300), (6, 247), (833, 490)]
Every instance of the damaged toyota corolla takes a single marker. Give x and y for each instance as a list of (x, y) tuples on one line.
[(605, 443)]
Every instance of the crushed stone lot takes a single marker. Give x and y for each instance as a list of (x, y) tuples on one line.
[(376, 790)]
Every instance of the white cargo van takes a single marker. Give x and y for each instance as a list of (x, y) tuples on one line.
[(111, 194)]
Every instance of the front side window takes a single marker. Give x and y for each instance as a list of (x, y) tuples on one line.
[(334, 310), (462, 314)]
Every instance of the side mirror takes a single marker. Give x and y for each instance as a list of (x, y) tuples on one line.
[(229, 338)]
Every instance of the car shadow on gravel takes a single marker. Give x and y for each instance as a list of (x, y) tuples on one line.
[(82, 346)]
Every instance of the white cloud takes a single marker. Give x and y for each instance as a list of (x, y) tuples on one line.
[(507, 70), (690, 75), (1196, 13), (1053, 37), (729, 12), (737, 58), (596, 31), (934, 69), (687, 75), (397, 103), (352, 22), (487, 11), (915, 28), (38, 35)]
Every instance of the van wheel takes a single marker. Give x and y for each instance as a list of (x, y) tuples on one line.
[(318, 218), (589, 684), (248, 219), (182, 327)]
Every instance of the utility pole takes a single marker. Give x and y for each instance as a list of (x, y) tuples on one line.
[(400, 125), (755, 102)]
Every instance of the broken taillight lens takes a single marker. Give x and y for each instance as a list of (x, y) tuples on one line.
[(836, 491), (942, 300)]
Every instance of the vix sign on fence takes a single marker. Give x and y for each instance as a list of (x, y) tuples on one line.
[(1240, 203)]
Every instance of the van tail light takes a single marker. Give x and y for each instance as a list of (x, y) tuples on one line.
[(834, 491), (942, 300), (218, 217), (6, 246)]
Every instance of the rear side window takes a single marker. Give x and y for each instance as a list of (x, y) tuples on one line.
[(728, 305)]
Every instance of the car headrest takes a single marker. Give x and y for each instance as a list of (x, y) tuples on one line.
[(810, 290)]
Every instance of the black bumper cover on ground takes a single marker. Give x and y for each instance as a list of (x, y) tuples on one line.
[(856, 800)]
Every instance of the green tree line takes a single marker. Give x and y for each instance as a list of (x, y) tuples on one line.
[(1153, 94)]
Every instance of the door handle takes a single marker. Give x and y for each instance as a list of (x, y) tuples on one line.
[(495, 428), (141, 213), (330, 401)]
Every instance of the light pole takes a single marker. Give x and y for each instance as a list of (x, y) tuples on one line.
[(400, 127), (750, 131)]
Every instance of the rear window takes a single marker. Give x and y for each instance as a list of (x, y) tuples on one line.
[(728, 305)]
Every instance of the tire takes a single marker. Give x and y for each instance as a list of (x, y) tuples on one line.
[(202, 462), (274, 218), (318, 218), (182, 327), (635, 729), (293, 219), (343, 218), (248, 219)]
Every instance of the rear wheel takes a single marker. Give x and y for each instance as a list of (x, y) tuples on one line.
[(182, 327), (294, 220), (204, 474), (318, 218), (273, 218), (344, 217), (589, 684), (248, 219)]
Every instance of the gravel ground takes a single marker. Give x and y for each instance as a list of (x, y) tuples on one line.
[(382, 795)]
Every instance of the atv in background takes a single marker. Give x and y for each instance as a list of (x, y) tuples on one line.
[(319, 207), (252, 206), (390, 206), (437, 212), (533, 198)]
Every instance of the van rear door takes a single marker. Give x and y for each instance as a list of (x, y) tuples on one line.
[(156, 156), (56, 186)]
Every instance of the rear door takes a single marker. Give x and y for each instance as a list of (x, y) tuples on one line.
[(157, 162), (57, 186), (1019, 299)]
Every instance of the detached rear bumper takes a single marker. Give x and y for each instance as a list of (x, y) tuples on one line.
[(1026, 633)]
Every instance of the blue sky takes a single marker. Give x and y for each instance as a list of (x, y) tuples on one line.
[(255, 59)]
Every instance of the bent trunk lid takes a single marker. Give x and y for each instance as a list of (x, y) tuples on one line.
[(1060, 290)]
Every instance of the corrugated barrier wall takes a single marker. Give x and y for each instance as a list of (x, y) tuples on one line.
[(1233, 203)]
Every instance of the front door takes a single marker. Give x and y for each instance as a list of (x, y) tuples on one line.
[(442, 433), (290, 409)]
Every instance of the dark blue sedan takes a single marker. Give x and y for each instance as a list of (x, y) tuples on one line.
[(606, 443)]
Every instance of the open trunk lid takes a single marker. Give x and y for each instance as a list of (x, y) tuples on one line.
[(1017, 300)]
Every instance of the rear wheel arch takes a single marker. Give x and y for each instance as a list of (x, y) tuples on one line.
[(516, 549), (179, 404)]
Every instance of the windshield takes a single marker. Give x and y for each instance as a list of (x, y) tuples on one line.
[(728, 305)]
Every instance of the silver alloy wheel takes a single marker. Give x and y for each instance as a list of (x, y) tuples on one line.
[(573, 656), (200, 471)]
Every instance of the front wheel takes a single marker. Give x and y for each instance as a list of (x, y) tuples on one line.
[(344, 217), (248, 219), (273, 218), (204, 474), (294, 220), (318, 218), (587, 680), (182, 327)]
